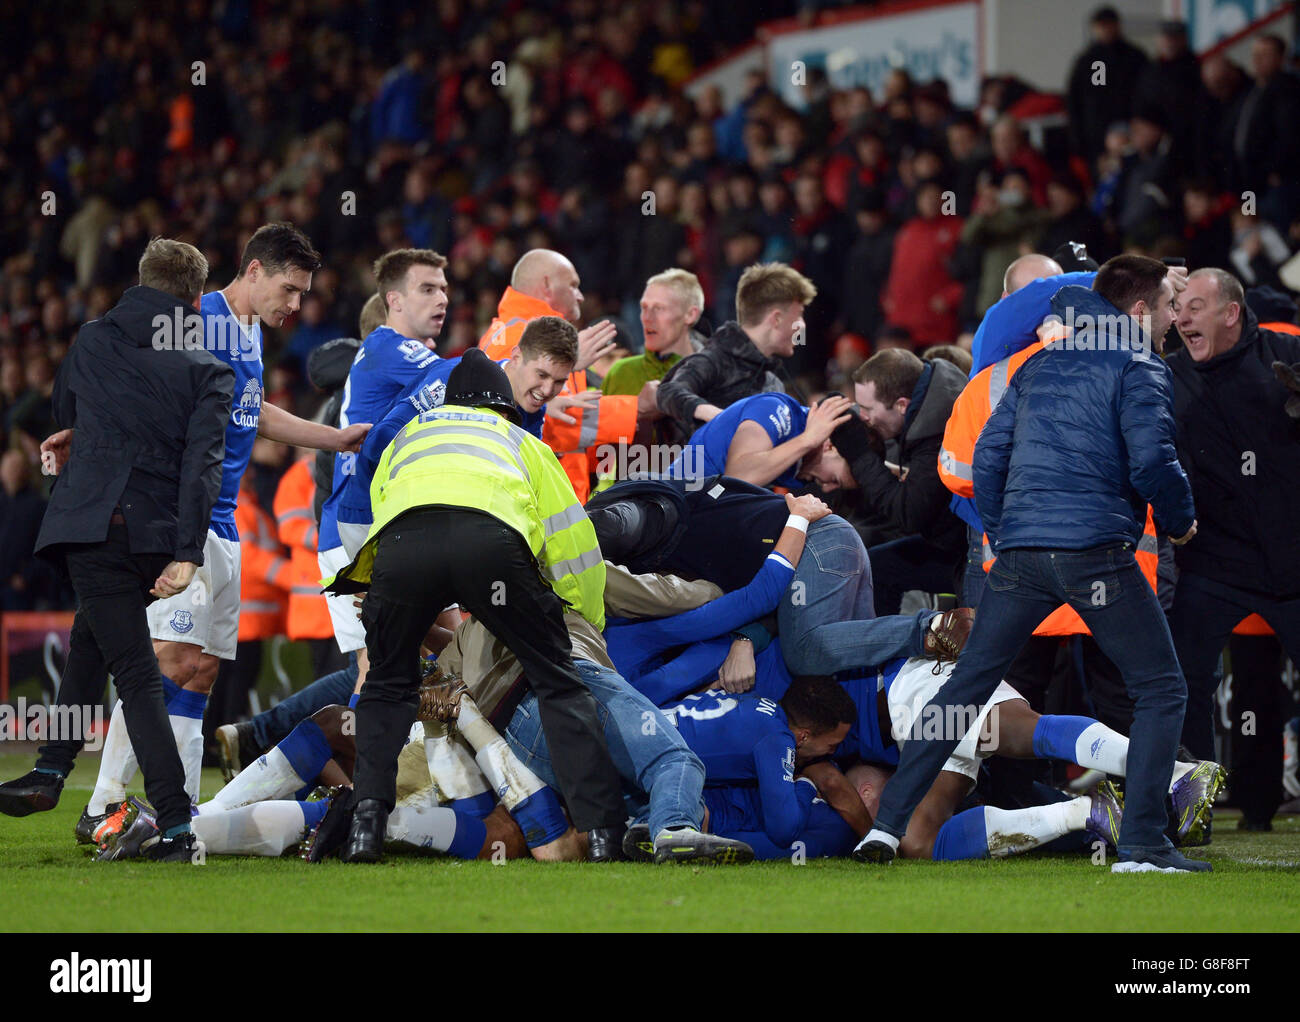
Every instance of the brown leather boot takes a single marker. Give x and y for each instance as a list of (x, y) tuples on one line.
[(945, 640)]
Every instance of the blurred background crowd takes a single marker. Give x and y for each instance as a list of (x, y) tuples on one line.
[(483, 128)]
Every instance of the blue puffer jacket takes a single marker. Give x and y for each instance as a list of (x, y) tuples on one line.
[(1080, 442), (1011, 325)]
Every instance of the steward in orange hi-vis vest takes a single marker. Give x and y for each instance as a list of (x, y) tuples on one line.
[(969, 413), (263, 570), (612, 422), (309, 616)]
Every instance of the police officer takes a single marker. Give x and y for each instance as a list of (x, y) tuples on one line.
[(471, 509)]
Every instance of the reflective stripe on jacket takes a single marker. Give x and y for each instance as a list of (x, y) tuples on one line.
[(969, 414), (309, 616), (452, 456), (613, 421), (264, 571)]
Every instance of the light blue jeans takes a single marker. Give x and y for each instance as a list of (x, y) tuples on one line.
[(662, 778), (827, 618), (270, 726)]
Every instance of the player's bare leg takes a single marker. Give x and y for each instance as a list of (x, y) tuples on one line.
[(1014, 729), (936, 809), (504, 838)]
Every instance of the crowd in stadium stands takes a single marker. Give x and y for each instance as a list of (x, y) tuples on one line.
[(484, 129)]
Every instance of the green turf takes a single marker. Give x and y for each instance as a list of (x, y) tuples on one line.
[(47, 883)]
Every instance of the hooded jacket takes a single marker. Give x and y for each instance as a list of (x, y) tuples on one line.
[(730, 367), (1242, 454), (150, 420), (919, 503)]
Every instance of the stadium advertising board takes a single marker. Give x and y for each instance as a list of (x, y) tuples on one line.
[(930, 42)]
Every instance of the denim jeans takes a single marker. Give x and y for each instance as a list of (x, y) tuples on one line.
[(827, 618), (274, 724), (660, 774), (1204, 614), (972, 579), (1105, 585)]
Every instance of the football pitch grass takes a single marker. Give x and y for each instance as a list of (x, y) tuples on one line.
[(47, 883)]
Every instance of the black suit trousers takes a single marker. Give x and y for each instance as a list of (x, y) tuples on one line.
[(111, 631), (431, 558)]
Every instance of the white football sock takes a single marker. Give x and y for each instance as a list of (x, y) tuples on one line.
[(267, 777), (1180, 770), (117, 765), (1111, 753), (423, 826), (263, 828), (1100, 748), (189, 743), (510, 779), (1012, 831), (451, 764)]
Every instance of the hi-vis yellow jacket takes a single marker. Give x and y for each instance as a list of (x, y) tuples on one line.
[(470, 458)]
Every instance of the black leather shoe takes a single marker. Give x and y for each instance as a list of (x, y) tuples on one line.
[(366, 838), (333, 830), (184, 847), (605, 844), (34, 792)]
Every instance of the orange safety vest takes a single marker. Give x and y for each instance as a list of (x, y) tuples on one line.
[(970, 412), (1253, 625), (263, 571), (309, 616), (1280, 327), (612, 422)]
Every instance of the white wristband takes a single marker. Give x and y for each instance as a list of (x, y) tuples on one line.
[(797, 522)]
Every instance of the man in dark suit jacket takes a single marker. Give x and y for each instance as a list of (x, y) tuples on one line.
[(128, 516)]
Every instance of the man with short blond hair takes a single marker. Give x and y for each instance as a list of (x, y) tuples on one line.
[(743, 357), (765, 287), (670, 307), (194, 630), (173, 267), (372, 315)]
